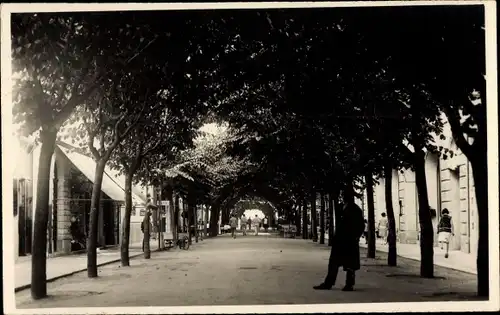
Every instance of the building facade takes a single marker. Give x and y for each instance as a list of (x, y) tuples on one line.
[(450, 185), (70, 188)]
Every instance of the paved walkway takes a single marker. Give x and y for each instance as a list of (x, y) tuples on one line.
[(457, 260), (248, 271), (58, 267)]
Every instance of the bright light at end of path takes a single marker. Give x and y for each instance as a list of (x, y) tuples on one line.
[(252, 212)]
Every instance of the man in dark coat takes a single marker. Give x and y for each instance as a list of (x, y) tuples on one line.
[(345, 247)]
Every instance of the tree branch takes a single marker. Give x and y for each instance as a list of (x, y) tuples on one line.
[(124, 163), (61, 93), (90, 141), (75, 100), (139, 52), (138, 158), (116, 133), (151, 149), (136, 120), (103, 148), (456, 130)]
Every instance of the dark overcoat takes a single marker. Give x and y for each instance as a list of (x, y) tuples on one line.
[(345, 246)]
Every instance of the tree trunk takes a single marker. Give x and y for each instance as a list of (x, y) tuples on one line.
[(424, 215), (480, 173), (124, 253), (371, 216), (225, 216), (392, 257), (214, 219), (477, 156), (176, 214), (305, 232), (39, 244), (314, 217), (297, 220), (190, 220), (205, 221), (93, 222), (147, 235), (330, 219), (195, 222), (322, 220), (338, 213)]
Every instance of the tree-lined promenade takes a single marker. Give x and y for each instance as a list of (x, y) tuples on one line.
[(315, 101), (256, 270)]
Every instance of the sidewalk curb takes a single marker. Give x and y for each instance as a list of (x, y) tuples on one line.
[(416, 259), (27, 286)]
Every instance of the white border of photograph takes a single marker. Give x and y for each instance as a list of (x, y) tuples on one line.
[(7, 161)]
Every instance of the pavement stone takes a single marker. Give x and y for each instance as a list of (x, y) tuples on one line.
[(62, 266), (457, 260), (249, 270)]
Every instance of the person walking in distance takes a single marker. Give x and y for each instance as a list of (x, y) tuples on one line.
[(256, 224), (265, 223), (445, 230), (233, 223), (383, 227), (249, 223), (153, 210), (142, 230), (345, 246), (244, 224)]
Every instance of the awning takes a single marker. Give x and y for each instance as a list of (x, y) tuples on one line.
[(87, 166), (119, 179)]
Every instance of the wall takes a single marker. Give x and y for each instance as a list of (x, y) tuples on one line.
[(23, 169), (472, 205), (407, 193), (458, 196), (468, 210), (379, 198), (432, 174), (135, 223), (63, 203), (395, 198), (450, 184)]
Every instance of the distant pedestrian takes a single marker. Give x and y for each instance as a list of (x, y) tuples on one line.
[(345, 247), (249, 222), (383, 225), (244, 224), (233, 222), (445, 230), (142, 230), (153, 210), (256, 224), (266, 223)]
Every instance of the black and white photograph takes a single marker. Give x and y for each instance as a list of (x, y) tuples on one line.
[(255, 157)]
